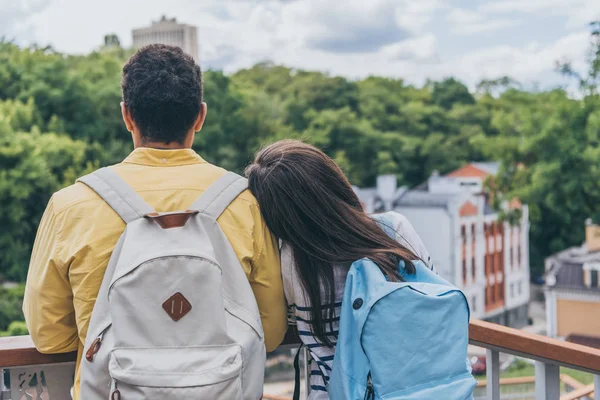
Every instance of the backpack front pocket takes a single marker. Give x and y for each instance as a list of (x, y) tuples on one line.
[(158, 373), (454, 388)]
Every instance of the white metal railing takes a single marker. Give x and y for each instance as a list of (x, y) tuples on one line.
[(28, 374), (523, 388), (549, 355)]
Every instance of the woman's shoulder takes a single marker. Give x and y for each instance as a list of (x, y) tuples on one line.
[(406, 234), (396, 221), (288, 272), (395, 218), (293, 288)]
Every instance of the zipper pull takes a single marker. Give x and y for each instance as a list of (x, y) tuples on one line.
[(94, 348), (116, 394), (370, 392)]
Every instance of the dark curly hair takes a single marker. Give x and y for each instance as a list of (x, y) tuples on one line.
[(162, 89)]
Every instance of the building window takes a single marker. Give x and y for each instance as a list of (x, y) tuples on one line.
[(511, 259), (518, 248), (594, 278), (493, 265), (512, 290), (474, 304), (499, 291), (463, 236), (519, 288), (501, 249), (473, 242)]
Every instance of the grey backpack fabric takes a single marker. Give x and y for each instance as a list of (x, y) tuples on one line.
[(175, 317)]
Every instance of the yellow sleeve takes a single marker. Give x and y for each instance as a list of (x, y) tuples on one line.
[(48, 302), (267, 285)]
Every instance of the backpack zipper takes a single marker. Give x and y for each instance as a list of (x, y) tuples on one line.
[(188, 254), (370, 392), (95, 346), (116, 394)]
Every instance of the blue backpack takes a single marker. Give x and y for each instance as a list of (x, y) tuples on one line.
[(401, 340)]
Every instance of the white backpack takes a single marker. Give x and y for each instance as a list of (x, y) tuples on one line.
[(175, 317)]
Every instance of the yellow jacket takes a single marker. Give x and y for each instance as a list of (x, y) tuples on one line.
[(79, 230)]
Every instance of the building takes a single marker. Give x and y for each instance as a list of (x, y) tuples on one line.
[(487, 258), (572, 291), (168, 31)]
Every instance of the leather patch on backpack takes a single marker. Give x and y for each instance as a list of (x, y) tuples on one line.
[(177, 306), (171, 220)]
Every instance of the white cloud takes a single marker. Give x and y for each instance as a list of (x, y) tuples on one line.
[(468, 22), (423, 48), (416, 15), (305, 33), (16, 15), (578, 12), (508, 6), (526, 64), (354, 38), (532, 62), (349, 26)]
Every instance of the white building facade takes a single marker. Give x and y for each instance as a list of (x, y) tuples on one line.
[(168, 31), (486, 258)]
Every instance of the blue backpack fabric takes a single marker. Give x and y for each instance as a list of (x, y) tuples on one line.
[(401, 340)]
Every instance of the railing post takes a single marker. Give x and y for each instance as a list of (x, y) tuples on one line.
[(4, 392), (596, 387), (492, 360), (547, 381)]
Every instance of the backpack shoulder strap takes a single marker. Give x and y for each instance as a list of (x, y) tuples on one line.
[(220, 194), (117, 194)]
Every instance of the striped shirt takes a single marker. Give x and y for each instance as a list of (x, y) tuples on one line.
[(299, 309)]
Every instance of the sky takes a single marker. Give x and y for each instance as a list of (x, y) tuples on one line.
[(411, 39)]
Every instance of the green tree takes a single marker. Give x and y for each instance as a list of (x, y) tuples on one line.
[(60, 117), (11, 305), (112, 40), (549, 147), (450, 92), (32, 167)]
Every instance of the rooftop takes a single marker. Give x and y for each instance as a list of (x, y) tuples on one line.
[(589, 341), (163, 22), (566, 269), (476, 169), (436, 192), (491, 167), (422, 198)]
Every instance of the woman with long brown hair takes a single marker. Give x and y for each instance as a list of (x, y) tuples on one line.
[(309, 204)]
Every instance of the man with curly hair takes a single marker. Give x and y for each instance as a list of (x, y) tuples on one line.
[(162, 108)]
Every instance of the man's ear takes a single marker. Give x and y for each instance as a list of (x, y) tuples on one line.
[(201, 117), (127, 117)]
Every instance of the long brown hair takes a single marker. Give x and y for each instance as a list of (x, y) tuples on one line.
[(307, 201)]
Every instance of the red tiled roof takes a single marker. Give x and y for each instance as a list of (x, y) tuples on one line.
[(590, 341), (469, 170)]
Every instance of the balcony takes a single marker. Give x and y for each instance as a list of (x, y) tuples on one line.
[(31, 375)]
